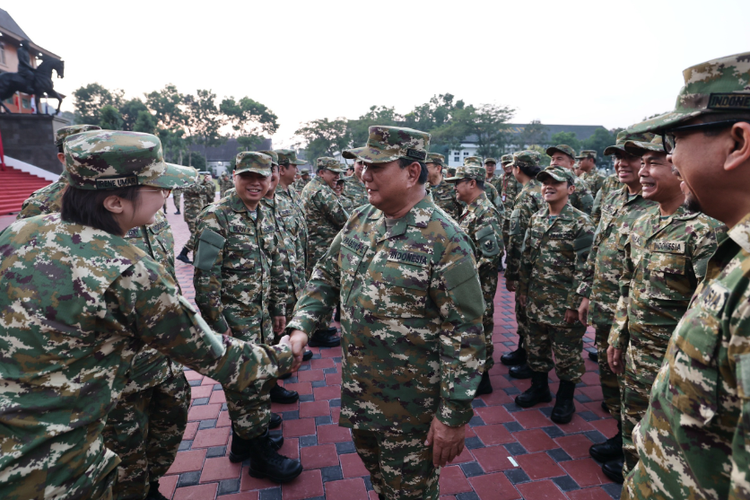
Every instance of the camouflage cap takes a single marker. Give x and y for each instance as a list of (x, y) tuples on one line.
[(253, 161), (713, 87), (506, 159), (586, 153), (563, 148), (386, 144), (639, 148), (288, 157), (64, 132), (471, 169), (329, 163), (526, 159), (625, 136), (350, 154), (435, 158), (112, 159), (490, 160), (274, 156), (559, 174)]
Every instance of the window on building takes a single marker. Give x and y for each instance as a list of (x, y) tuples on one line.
[(2, 54), (26, 103), (456, 158), (466, 153)]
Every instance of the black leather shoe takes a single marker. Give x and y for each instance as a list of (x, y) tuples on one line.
[(613, 470), (265, 461), (537, 393), (177, 212), (485, 386), (513, 358), (154, 493), (307, 356), (594, 356), (325, 338), (520, 371), (565, 407), (283, 396), (183, 257), (610, 449), (275, 421)]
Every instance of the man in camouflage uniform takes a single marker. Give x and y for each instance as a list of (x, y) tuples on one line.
[(354, 188), (225, 183), (210, 193), (239, 287), (411, 318), (525, 167), (664, 259), (588, 172), (304, 179), (553, 264), (195, 196), (692, 441), (509, 188), (490, 164), (443, 193), (73, 339), (482, 223), (611, 183), (177, 199), (48, 199), (604, 268), (564, 156), (325, 217)]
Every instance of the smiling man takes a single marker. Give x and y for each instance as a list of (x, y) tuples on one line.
[(694, 439), (411, 318), (564, 156)]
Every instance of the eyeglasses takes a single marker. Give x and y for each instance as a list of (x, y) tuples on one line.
[(667, 136), (164, 191)]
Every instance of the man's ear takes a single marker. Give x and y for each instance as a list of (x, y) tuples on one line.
[(415, 170), (740, 153)]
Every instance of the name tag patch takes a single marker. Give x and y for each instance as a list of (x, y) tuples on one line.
[(407, 257), (668, 246), (236, 228)]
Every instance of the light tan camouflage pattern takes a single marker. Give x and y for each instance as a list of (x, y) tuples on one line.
[(288, 157), (444, 196), (64, 132), (355, 190), (252, 161), (225, 184), (195, 195), (594, 179), (45, 200), (331, 164), (290, 215), (436, 158), (386, 144), (563, 148)]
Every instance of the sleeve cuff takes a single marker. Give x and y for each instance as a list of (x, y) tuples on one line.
[(455, 413)]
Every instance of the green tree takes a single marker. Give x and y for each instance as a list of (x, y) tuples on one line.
[(599, 141), (129, 111), (203, 120), (167, 105), (110, 118), (568, 138), (145, 122), (486, 124), (544, 160), (358, 130), (533, 133), (248, 142), (324, 137), (89, 101), (249, 117), (198, 161), (433, 114)]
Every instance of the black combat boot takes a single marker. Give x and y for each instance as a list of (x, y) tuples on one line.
[(609, 449), (594, 356), (537, 393), (485, 386), (178, 211), (241, 448), (308, 354), (154, 493), (265, 461), (613, 470), (520, 371), (565, 407), (275, 421), (283, 396), (513, 358), (184, 256), (325, 338)]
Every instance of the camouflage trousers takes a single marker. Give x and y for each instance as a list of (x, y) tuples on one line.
[(145, 430), (523, 325), (400, 465), (191, 218), (643, 360), (565, 343), (177, 198), (489, 287), (506, 231), (608, 379)]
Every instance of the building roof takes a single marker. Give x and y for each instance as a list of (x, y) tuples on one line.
[(582, 132), (227, 151), (11, 29)]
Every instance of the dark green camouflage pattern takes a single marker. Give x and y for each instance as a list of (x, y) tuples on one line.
[(43, 201), (325, 217)]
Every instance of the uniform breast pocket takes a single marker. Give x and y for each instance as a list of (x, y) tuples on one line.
[(349, 264), (402, 292), (667, 277), (240, 253)]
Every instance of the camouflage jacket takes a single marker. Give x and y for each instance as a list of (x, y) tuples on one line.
[(582, 199), (299, 184), (663, 261), (494, 197), (290, 214), (355, 190), (444, 196), (194, 199), (553, 264), (510, 188), (694, 440), (43, 201), (225, 184), (77, 304), (497, 180), (528, 202), (611, 183), (325, 217), (411, 317), (595, 180), (210, 191), (601, 283), (482, 223), (239, 276), (288, 246)]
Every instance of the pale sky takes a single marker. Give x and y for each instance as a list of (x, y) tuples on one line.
[(573, 62)]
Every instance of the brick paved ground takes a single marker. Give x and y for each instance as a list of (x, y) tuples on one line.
[(510, 452)]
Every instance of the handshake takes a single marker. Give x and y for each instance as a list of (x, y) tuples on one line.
[(296, 340)]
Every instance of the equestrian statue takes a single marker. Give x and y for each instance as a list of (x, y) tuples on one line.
[(30, 80)]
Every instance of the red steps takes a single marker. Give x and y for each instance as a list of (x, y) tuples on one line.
[(15, 187)]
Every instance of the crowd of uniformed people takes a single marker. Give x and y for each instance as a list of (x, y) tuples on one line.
[(406, 253)]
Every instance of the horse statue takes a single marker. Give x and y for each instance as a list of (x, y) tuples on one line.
[(32, 81)]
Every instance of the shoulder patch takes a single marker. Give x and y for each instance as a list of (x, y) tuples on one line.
[(714, 297)]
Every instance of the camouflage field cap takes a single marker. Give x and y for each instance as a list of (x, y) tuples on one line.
[(253, 161), (586, 153), (274, 156), (563, 148), (471, 169), (64, 132), (386, 144), (435, 158), (639, 148), (625, 136), (713, 87), (112, 159), (331, 164), (559, 174), (490, 160), (505, 159), (288, 157), (526, 159), (351, 154)]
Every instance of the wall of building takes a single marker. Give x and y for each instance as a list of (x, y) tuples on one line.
[(31, 138)]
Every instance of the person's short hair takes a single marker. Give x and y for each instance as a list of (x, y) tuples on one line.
[(480, 184), (86, 207), (405, 162), (531, 171)]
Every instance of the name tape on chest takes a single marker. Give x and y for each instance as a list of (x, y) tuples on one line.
[(407, 257), (237, 228), (158, 227), (668, 246), (355, 246)]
